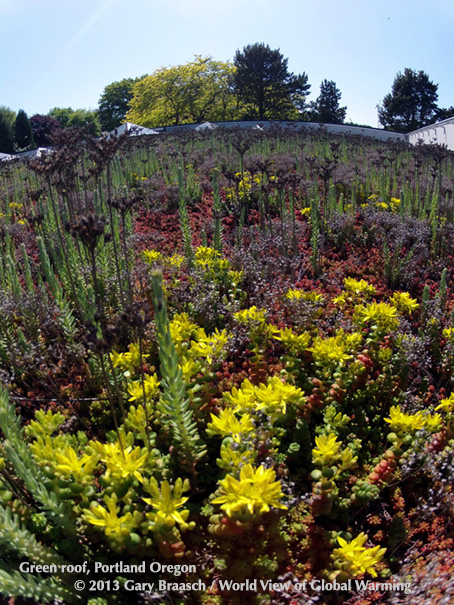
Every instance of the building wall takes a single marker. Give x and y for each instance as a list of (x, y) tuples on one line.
[(435, 134), (376, 133)]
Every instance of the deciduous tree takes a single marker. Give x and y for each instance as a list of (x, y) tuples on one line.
[(196, 92), (411, 104), (44, 128), (265, 87), (82, 118), (114, 103)]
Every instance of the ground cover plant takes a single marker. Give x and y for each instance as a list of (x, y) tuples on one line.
[(232, 351)]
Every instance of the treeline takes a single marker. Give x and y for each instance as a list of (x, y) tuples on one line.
[(257, 85), (18, 132)]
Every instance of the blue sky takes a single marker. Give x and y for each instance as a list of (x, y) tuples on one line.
[(61, 53)]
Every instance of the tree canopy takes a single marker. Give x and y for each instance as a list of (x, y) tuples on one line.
[(196, 92), (265, 87), (411, 104), (114, 103), (82, 118), (326, 108), (44, 128)]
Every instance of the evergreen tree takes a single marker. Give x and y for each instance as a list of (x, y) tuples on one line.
[(23, 131), (6, 136), (264, 85), (411, 104), (326, 108)]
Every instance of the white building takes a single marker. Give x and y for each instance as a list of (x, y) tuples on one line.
[(441, 133)]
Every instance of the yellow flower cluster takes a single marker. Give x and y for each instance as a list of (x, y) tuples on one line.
[(255, 492), (154, 256), (295, 343), (447, 404), (114, 526), (250, 315), (356, 290), (355, 559), (401, 422), (167, 503), (122, 462), (227, 424), (193, 344), (234, 459), (70, 466), (381, 316), (209, 347), (358, 286), (151, 256), (335, 350), (300, 295), (271, 398), (394, 202), (403, 302), (128, 361), (143, 391), (245, 186), (328, 453)]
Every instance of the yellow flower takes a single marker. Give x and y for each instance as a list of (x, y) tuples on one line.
[(182, 329), (242, 398), (69, 464), (176, 260), (360, 286), (306, 211), (355, 558), (406, 423), (209, 346), (151, 256), (128, 361), (167, 501), (140, 392), (433, 422), (299, 294), (395, 203), (447, 405), (255, 492), (381, 315), (206, 257), (122, 464), (333, 350), (108, 518), (235, 458), (251, 314), (271, 398), (296, 343), (327, 451), (403, 302), (228, 425), (448, 333)]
